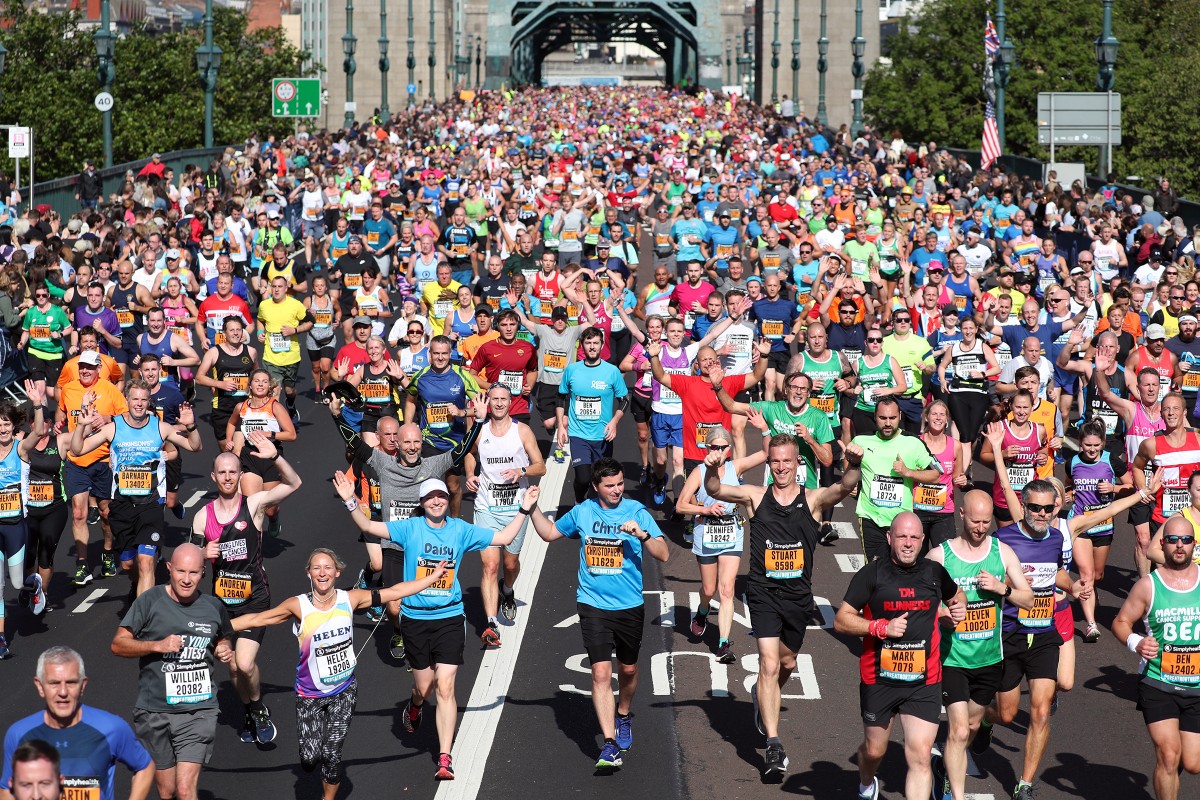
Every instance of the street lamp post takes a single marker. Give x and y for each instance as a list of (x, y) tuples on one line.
[(729, 61), (432, 45), (208, 62), (105, 73), (411, 61), (795, 53), (1004, 60), (858, 48), (478, 60), (1106, 60), (462, 61), (385, 64), (349, 45), (775, 58), (822, 68)]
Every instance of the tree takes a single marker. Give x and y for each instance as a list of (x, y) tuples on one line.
[(50, 82)]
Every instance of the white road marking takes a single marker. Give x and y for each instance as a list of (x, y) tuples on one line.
[(850, 562), (666, 607), (566, 623), (196, 497), (970, 796), (715, 605), (482, 717), (89, 601), (845, 531), (804, 673), (662, 672)]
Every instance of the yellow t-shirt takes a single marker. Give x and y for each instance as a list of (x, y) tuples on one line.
[(439, 309), (278, 349)]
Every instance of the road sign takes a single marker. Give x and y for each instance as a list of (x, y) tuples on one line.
[(18, 143), (296, 97), (411, 88), (104, 101), (1071, 118)]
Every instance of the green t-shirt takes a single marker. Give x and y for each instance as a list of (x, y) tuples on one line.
[(825, 375), (907, 353), (41, 325), (873, 379), (882, 495), (861, 256), (781, 420)]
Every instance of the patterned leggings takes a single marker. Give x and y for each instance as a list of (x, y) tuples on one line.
[(321, 727)]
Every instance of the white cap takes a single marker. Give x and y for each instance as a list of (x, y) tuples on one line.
[(430, 485), (90, 357)]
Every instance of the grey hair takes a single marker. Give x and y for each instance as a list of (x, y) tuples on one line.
[(719, 432), (59, 654)]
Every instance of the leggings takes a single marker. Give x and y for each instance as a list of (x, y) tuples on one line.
[(46, 526), (321, 727), (582, 481), (968, 409), (13, 536)]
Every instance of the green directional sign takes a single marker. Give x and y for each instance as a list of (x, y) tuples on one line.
[(296, 97)]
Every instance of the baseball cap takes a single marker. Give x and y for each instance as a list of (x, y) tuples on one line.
[(724, 215), (431, 485), (90, 357), (559, 313), (937, 266), (173, 253), (362, 319), (354, 240), (272, 214), (483, 310), (603, 242), (1155, 331)]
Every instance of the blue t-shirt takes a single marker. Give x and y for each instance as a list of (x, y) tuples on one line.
[(592, 391), (167, 398), (610, 561), (775, 319), (1015, 335), (239, 288), (438, 394), (424, 547), (89, 750), (378, 233), (921, 258), (682, 231), (801, 271), (723, 243)]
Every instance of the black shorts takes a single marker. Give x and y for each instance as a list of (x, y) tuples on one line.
[(1099, 539), (435, 641), (938, 527), (606, 632), (262, 467), (779, 615), (1141, 513), (174, 474), (393, 567), (640, 406), (978, 685), (778, 360), (546, 401), (1030, 657), (219, 419), (260, 600), (1157, 705), (328, 351), (47, 369), (137, 528), (880, 702), (863, 421), (372, 414), (429, 451)]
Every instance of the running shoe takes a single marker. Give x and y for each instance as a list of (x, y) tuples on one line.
[(1091, 634), (93, 515), (872, 792), (644, 480), (5, 653), (560, 455), (624, 727), (276, 527), (490, 637), (941, 782), (689, 532), (108, 565), (725, 654), (396, 647), (374, 613), (758, 726), (982, 740), (178, 510), (660, 494), (776, 764), (83, 574), (412, 716), (1054, 704), (610, 756), (361, 581), (508, 606), (828, 534), (264, 728), (32, 594), (699, 625), (445, 770), (1024, 791), (247, 732)]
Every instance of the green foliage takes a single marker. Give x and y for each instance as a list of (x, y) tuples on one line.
[(932, 88), (50, 81)]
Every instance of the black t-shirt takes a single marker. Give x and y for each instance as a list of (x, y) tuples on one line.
[(490, 290)]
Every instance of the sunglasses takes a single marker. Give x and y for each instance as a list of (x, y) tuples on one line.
[(718, 447), (846, 311), (1040, 509), (1172, 272), (41, 295), (415, 332), (898, 320), (875, 340), (1177, 539)]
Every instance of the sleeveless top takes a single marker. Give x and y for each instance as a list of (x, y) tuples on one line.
[(721, 535), (976, 640), (1021, 468), (258, 419), (238, 573), (1086, 477), (497, 454), (14, 479), (1141, 428), (964, 363), (783, 543), (45, 486), (938, 497), (326, 641), (1171, 619), (1178, 462), (139, 471)]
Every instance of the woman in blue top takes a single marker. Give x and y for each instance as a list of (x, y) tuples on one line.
[(460, 323)]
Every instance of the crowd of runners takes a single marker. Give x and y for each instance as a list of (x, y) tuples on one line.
[(988, 373)]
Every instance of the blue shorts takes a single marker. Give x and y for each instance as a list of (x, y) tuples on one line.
[(94, 479), (314, 228), (666, 429), (464, 276), (1065, 380), (486, 519), (588, 452)]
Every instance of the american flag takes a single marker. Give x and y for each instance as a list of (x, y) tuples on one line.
[(991, 136)]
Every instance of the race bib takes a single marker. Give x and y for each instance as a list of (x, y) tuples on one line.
[(1191, 379), (41, 332), (10, 503), (515, 381), (603, 556), (720, 533), (372, 238), (322, 319), (902, 661), (233, 588), (279, 343), (426, 567), (783, 561), (124, 317), (81, 788), (886, 491), (1180, 664), (190, 684), (505, 497), (437, 415), (442, 308), (375, 390), (587, 408), (825, 404), (352, 280), (135, 481), (554, 361), (1041, 615), (702, 429), (335, 662), (1174, 500), (929, 497), (41, 493), (980, 622), (570, 236), (1019, 475), (772, 329)]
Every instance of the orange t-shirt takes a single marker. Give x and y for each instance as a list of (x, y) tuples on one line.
[(109, 401), (109, 370), (1132, 325)]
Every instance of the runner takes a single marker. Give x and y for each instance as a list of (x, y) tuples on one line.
[(893, 603), (139, 475), (509, 361), (783, 544), (46, 500), (934, 502), (435, 625), (507, 455), (14, 500), (283, 318), (592, 400), (91, 741), (260, 412), (616, 533), (1176, 448), (176, 632), (557, 346), (321, 341), (1023, 452), (35, 772), (172, 349), (225, 368), (326, 687), (378, 381), (1166, 602), (44, 330), (666, 411), (230, 531), (130, 300)]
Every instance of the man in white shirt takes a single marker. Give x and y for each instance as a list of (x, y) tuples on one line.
[(1030, 356)]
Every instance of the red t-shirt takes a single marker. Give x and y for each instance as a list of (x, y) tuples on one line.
[(509, 364), (350, 357), (702, 410), (213, 310)]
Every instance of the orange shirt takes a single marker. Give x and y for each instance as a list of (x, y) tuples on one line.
[(1132, 325), (109, 401), (109, 370), (470, 345)]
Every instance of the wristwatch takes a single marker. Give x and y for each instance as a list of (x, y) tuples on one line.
[(1007, 590)]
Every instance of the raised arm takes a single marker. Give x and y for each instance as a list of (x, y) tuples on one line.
[(345, 490)]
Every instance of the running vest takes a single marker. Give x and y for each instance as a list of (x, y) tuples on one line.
[(274, 271), (162, 349), (873, 379), (14, 477), (783, 543), (664, 400), (1173, 619), (658, 301), (825, 375), (498, 453), (424, 270), (238, 572), (545, 292), (1140, 429), (964, 298), (1162, 366), (718, 534), (236, 367), (964, 363), (322, 329), (1094, 406), (1021, 467), (1178, 462), (1025, 253), (338, 246), (376, 388), (1086, 477), (45, 486), (130, 321), (206, 266), (258, 419), (1040, 561), (326, 640), (139, 471), (976, 640), (938, 497), (1047, 272)]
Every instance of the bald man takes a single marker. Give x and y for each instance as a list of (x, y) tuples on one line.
[(900, 667), (177, 633), (987, 571), (230, 530)]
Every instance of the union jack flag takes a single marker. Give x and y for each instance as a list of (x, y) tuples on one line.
[(991, 135)]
